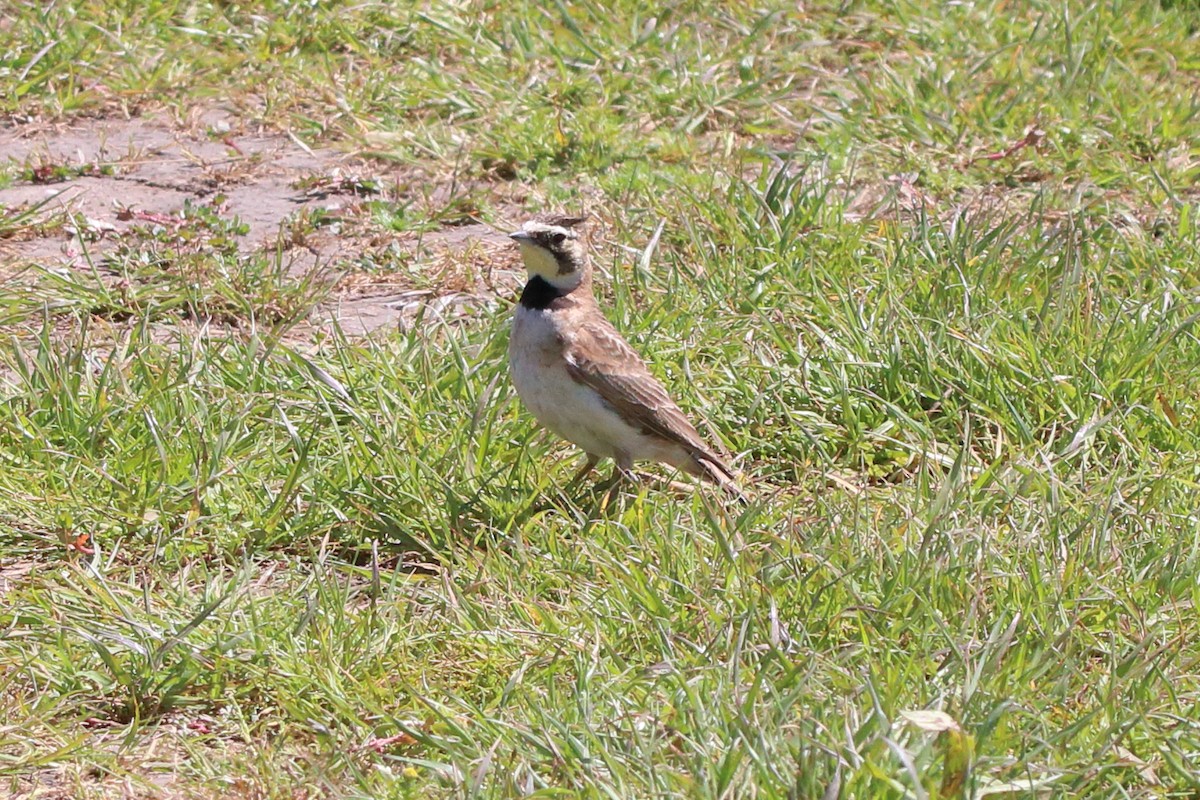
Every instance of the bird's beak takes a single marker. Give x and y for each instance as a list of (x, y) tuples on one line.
[(520, 236)]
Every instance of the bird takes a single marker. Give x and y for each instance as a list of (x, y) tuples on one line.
[(579, 377)]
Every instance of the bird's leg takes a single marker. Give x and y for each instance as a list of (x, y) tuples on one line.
[(622, 472), (588, 466)]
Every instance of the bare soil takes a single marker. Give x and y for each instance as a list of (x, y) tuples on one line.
[(101, 180)]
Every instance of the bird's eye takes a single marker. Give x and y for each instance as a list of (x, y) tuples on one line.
[(558, 238)]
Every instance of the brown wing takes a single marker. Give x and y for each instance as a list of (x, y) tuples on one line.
[(597, 356)]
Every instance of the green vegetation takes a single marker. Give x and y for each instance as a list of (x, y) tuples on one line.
[(930, 270)]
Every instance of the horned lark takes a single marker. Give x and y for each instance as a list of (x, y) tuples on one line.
[(580, 378)]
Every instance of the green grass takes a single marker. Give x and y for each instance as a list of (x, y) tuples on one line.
[(963, 388)]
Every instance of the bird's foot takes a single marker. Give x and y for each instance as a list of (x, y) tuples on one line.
[(587, 467), (612, 487)]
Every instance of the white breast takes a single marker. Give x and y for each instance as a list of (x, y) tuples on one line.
[(540, 375), (568, 408)]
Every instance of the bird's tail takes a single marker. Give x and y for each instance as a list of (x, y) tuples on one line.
[(711, 468)]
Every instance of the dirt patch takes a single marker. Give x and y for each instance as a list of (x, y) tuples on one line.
[(92, 186), (99, 167)]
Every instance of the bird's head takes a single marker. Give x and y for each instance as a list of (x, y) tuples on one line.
[(553, 249)]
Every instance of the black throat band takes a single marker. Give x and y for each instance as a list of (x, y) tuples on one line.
[(539, 293)]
